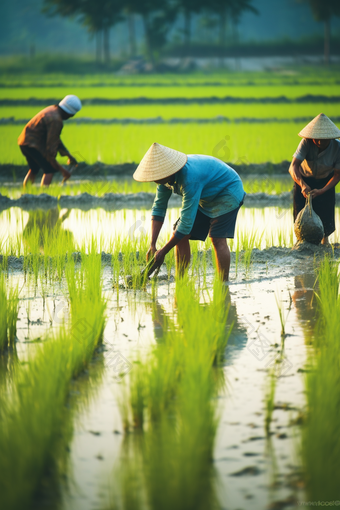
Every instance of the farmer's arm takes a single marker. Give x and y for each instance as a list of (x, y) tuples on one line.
[(52, 144), (295, 173), (158, 212), (294, 169), (330, 184), (191, 198), (160, 254), (63, 151)]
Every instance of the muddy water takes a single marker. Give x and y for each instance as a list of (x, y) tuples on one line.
[(268, 226), (252, 472)]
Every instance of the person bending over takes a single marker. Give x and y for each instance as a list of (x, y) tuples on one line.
[(315, 169), (212, 194), (40, 141)]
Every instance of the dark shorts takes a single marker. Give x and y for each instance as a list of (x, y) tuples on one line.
[(223, 226), (36, 160), (323, 205)]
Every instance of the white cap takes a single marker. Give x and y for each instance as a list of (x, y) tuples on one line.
[(70, 104)]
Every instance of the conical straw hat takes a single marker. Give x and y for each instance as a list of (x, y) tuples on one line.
[(320, 128), (158, 163)]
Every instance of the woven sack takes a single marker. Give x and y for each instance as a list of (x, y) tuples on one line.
[(308, 225)]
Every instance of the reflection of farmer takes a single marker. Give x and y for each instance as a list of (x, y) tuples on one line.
[(316, 169), (212, 196), (48, 226), (304, 302), (40, 140)]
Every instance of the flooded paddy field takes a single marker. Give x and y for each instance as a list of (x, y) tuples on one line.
[(120, 392), (271, 287)]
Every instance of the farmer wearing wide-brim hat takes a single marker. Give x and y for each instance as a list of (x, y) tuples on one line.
[(212, 194), (316, 170), (40, 140)]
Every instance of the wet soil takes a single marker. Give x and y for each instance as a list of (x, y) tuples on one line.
[(115, 201), (100, 170), (285, 256)]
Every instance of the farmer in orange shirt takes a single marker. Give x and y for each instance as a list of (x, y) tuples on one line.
[(40, 140)]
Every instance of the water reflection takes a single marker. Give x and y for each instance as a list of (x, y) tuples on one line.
[(238, 336), (262, 226), (160, 321), (304, 302), (59, 479), (44, 226)]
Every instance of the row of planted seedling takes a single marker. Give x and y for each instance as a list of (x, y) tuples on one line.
[(168, 408), (169, 398), (320, 440), (33, 407), (45, 255)]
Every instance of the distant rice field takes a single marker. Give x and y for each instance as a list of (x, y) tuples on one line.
[(204, 111), (107, 92), (112, 144)]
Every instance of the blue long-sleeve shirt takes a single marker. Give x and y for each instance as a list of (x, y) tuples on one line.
[(205, 183)]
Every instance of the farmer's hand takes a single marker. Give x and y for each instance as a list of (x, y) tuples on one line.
[(305, 189), (159, 259), (72, 161), (315, 193), (66, 174), (151, 251)]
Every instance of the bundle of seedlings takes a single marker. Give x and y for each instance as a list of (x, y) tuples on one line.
[(308, 225)]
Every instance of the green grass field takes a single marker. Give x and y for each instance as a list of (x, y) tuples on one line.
[(256, 91), (205, 111), (238, 143)]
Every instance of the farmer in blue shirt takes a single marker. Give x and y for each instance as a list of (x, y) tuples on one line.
[(212, 196)]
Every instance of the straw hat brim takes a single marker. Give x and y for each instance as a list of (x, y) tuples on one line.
[(159, 163), (320, 128)]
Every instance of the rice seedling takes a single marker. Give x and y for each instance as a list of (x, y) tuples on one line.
[(282, 315), (320, 448), (269, 401), (9, 310), (170, 399), (31, 415)]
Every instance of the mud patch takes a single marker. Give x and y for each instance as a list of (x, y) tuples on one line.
[(115, 201), (278, 255), (100, 170)]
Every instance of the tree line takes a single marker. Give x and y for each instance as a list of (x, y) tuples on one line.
[(99, 16)]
